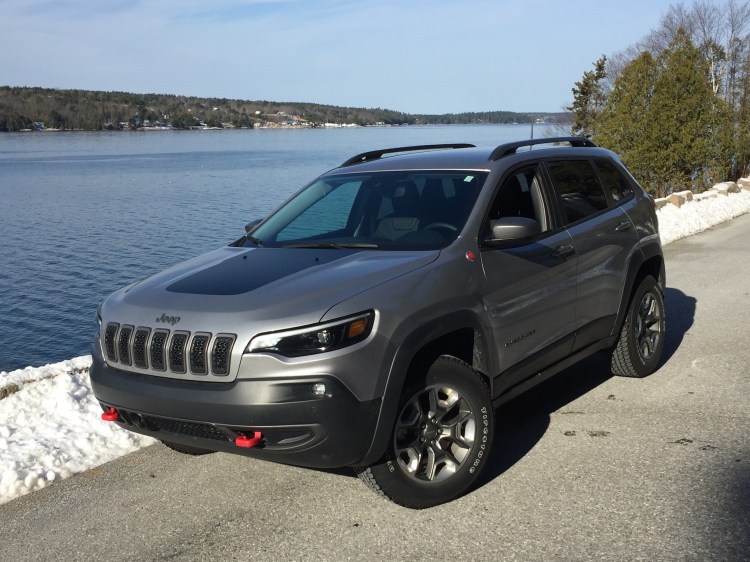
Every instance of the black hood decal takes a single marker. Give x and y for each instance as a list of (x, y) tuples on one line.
[(254, 269)]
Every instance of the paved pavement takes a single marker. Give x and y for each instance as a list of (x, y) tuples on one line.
[(585, 467)]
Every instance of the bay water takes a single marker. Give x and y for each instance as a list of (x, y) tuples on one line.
[(82, 214)]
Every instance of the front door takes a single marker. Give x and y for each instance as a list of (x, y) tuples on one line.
[(530, 292)]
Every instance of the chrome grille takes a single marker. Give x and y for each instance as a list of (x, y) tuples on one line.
[(158, 345), (198, 362), (220, 355), (110, 335), (123, 344), (140, 341), (178, 352)]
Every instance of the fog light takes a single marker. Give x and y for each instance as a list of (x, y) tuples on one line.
[(319, 389)]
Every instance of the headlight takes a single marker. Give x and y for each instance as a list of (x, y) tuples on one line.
[(315, 339)]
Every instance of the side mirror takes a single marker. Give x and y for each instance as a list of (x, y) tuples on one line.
[(249, 227), (514, 228)]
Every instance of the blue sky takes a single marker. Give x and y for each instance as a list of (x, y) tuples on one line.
[(417, 56)]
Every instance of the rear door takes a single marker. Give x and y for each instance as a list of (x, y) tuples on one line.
[(604, 240)]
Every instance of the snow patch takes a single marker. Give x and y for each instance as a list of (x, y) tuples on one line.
[(700, 214), (50, 427)]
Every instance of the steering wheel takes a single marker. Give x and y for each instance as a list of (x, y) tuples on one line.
[(439, 225)]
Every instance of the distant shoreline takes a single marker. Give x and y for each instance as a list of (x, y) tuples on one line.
[(41, 109), (275, 128)]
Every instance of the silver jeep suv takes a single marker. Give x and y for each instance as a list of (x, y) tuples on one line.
[(380, 315)]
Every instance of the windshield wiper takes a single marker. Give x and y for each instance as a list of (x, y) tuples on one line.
[(331, 245), (257, 241)]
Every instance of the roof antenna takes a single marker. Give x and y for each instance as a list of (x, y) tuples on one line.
[(532, 132)]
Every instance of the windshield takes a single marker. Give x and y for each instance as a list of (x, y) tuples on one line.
[(388, 210)]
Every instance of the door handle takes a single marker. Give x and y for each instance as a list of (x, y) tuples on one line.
[(563, 251), (623, 226)]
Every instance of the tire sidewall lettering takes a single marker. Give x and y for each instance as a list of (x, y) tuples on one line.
[(483, 443)]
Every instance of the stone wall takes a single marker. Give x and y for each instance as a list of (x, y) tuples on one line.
[(725, 188)]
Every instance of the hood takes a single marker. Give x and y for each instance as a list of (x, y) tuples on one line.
[(253, 290)]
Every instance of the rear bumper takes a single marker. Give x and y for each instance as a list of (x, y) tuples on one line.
[(297, 426)]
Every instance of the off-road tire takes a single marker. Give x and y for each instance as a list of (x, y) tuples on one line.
[(186, 449), (639, 348), (441, 438)]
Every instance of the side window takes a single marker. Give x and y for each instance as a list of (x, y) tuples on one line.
[(520, 195), (578, 188), (614, 180)]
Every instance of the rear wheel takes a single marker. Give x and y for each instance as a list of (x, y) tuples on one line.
[(639, 349), (186, 449), (441, 438)]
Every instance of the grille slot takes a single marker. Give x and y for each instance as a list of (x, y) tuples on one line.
[(110, 336), (158, 346), (140, 355), (177, 352), (220, 355), (123, 344), (198, 354)]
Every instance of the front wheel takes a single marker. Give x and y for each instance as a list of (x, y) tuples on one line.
[(639, 348), (441, 438)]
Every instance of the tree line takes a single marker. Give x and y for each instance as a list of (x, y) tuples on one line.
[(676, 105), (22, 107)]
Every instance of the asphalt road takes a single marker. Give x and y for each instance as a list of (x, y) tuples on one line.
[(585, 467)]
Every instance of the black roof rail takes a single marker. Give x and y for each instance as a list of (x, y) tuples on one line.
[(376, 154), (511, 147)]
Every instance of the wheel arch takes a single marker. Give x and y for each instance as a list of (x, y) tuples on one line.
[(459, 334), (649, 261)]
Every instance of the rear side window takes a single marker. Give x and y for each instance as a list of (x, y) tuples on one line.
[(614, 180), (578, 188)]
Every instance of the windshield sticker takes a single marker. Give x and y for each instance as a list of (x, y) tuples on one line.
[(467, 179)]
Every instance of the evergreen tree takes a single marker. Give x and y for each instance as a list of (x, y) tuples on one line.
[(687, 116), (589, 98), (742, 137), (624, 125), (664, 119)]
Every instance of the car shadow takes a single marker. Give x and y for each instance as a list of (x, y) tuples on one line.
[(680, 310), (521, 423)]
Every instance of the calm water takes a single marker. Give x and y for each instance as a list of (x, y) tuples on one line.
[(82, 214)]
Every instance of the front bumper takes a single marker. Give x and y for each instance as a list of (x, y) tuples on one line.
[(298, 427)]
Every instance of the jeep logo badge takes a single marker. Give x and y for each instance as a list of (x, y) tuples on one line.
[(164, 319)]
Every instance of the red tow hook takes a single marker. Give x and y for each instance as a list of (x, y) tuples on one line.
[(247, 441), (110, 415)]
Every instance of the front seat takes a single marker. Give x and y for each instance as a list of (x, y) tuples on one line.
[(406, 211)]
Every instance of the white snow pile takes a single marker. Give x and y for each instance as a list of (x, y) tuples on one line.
[(50, 424), (700, 214), (50, 427)]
